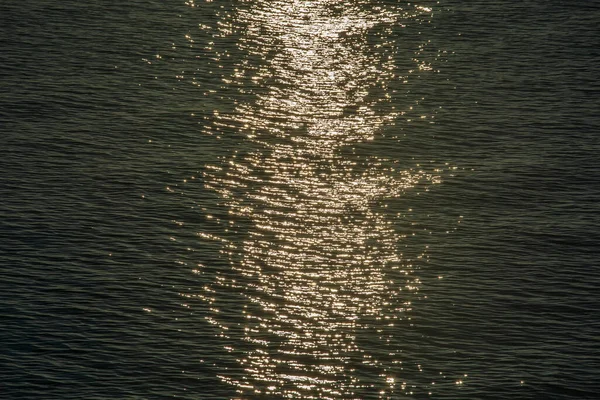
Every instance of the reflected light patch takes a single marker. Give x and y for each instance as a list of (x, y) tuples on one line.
[(319, 266)]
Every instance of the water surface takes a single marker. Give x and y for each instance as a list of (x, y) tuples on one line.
[(212, 200)]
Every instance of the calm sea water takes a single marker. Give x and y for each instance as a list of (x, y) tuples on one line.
[(299, 199)]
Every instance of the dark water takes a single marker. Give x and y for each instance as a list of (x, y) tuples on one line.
[(299, 199)]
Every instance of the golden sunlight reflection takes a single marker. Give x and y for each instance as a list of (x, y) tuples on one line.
[(316, 259)]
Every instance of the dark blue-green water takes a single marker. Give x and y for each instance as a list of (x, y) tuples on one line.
[(367, 199)]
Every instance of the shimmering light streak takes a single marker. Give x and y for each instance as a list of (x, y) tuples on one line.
[(318, 265)]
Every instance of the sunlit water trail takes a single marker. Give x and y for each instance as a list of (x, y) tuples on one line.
[(324, 288)]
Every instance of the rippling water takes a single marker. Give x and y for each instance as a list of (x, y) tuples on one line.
[(299, 199)]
